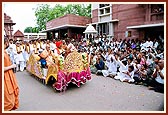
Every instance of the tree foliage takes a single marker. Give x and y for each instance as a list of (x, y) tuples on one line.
[(31, 30), (42, 14), (45, 13)]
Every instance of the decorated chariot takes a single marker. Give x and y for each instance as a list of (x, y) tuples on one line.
[(73, 69)]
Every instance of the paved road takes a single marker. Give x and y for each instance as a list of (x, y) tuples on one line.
[(98, 95)]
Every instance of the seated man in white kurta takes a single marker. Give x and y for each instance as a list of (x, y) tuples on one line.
[(112, 67)]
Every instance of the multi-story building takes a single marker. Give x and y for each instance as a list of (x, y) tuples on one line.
[(102, 19), (129, 21)]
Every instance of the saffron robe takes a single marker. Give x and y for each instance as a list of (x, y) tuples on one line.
[(11, 89)]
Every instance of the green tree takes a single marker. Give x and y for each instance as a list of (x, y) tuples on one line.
[(44, 13), (31, 30), (35, 30), (28, 30), (57, 11), (79, 9)]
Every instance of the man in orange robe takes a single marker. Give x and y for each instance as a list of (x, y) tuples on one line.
[(11, 89)]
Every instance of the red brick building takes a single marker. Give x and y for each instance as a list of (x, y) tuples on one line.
[(138, 21), (70, 25), (18, 35), (129, 21), (8, 26)]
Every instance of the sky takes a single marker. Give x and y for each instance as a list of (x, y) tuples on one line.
[(22, 14)]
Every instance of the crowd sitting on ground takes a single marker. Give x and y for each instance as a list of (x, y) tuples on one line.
[(133, 61)]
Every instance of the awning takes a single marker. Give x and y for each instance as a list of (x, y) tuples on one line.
[(145, 26), (63, 27)]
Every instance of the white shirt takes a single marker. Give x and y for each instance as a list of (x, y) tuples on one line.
[(143, 45), (122, 68), (99, 39), (38, 45), (52, 46), (108, 59), (96, 41), (161, 55), (20, 56), (148, 44), (158, 78), (12, 49), (44, 46), (155, 45), (71, 47), (91, 49), (94, 59), (31, 48), (113, 65)]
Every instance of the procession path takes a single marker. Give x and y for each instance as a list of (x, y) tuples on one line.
[(98, 95)]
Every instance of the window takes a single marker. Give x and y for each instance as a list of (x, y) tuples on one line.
[(157, 12), (104, 9), (106, 5), (157, 8), (101, 11), (104, 28), (107, 10), (103, 5)]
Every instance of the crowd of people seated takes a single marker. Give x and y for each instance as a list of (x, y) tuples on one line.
[(133, 61)]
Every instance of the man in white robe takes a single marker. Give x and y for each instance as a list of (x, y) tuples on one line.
[(112, 67), (19, 58)]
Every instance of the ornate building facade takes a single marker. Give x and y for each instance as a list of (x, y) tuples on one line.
[(8, 26)]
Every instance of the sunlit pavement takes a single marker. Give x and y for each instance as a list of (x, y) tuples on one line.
[(100, 94)]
